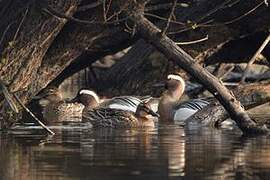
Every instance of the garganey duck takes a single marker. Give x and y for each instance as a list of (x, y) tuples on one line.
[(91, 100), (119, 118), (118, 112), (54, 107), (170, 108)]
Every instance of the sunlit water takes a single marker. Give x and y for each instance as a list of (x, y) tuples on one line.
[(167, 152)]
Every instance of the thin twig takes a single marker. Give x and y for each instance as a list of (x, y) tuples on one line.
[(60, 15), (253, 59), (192, 42), (231, 67), (104, 10), (19, 27), (158, 7), (235, 19), (38, 121), (114, 15), (190, 27), (244, 15), (165, 19), (108, 7), (89, 6), (169, 18), (165, 6), (218, 24), (8, 97), (5, 32), (223, 5)]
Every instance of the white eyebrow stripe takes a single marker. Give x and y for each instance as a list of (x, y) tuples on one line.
[(176, 77), (91, 93)]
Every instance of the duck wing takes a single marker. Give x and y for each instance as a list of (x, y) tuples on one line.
[(107, 117), (194, 104), (126, 103), (186, 109)]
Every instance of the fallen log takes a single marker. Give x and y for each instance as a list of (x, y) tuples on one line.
[(165, 45), (249, 95)]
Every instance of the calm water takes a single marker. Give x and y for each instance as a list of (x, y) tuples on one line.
[(168, 152)]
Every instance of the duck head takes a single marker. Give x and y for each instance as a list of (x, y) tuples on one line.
[(86, 97), (142, 113), (144, 110), (48, 96), (175, 87)]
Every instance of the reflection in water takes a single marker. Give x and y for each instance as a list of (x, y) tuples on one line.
[(168, 152)]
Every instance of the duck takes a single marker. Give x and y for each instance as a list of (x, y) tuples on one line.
[(101, 117), (50, 95), (90, 100), (117, 112), (87, 97), (170, 108), (51, 104), (128, 103)]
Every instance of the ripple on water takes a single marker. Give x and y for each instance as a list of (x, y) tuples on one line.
[(79, 152)]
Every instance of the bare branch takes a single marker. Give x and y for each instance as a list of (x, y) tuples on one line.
[(36, 119), (164, 6), (5, 32), (53, 12), (108, 7), (235, 19), (89, 6), (104, 10), (253, 59), (158, 7), (164, 19), (195, 25), (192, 42), (19, 27), (170, 18)]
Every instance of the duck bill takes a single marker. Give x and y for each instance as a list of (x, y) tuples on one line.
[(153, 113), (74, 100), (40, 96)]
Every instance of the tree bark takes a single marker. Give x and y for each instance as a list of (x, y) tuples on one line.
[(46, 44), (164, 44), (22, 55), (250, 96), (38, 46), (228, 43)]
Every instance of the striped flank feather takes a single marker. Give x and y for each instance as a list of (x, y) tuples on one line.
[(127, 103), (186, 109), (194, 104)]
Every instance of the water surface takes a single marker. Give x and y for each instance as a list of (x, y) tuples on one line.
[(167, 152)]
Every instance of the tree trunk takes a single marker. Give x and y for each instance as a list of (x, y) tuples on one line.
[(227, 42), (26, 45), (45, 45), (249, 95), (164, 44)]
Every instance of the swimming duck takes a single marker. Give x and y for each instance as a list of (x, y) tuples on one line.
[(118, 112), (91, 100), (53, 107), (127, 103), (50, 95), (169, 107), (87, 97), (118, 118)]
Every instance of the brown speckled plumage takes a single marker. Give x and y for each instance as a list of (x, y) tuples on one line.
[(106, 117)]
